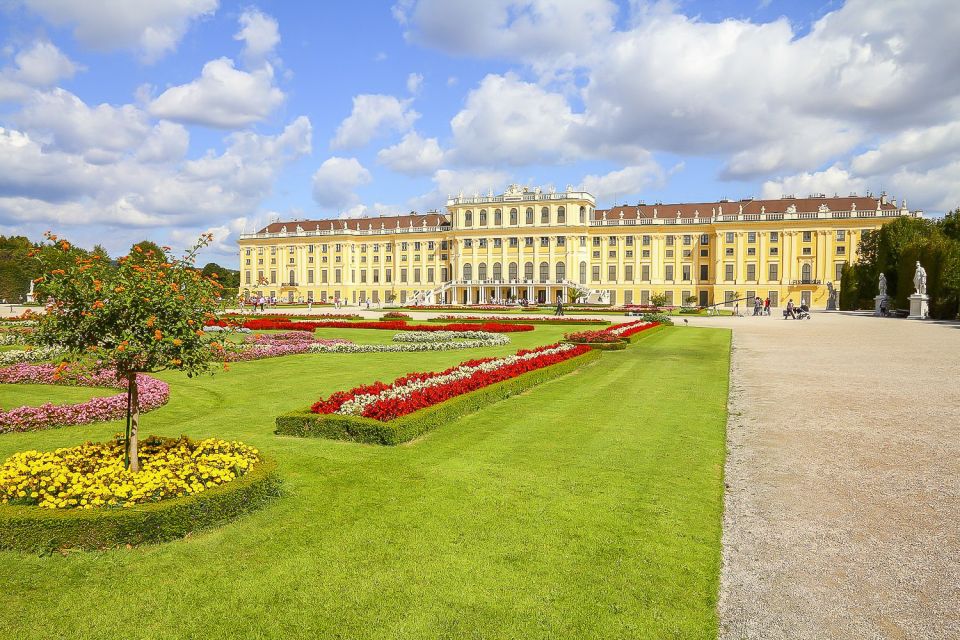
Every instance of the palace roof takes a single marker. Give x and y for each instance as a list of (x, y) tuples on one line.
[(387, 223), (748, 206)]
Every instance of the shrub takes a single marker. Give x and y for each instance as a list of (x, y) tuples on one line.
[(395, 315), (592, 337)]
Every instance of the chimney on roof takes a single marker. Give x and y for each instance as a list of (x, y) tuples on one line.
[(883, 197)]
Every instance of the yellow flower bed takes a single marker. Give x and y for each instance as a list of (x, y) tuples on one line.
[(93, 475)]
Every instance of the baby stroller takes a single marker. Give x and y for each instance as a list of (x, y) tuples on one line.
[(803, 312)]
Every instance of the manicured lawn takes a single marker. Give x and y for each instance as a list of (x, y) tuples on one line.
[(34, 395), (588, 507)]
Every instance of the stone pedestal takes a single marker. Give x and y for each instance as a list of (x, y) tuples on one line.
[(880, 301), (919, 306)]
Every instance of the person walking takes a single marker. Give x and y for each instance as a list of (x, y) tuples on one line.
[(766, 306), (559, 311)]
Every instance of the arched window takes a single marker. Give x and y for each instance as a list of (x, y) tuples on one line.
[(529, 215), (528, 271), (513, 216), (468, 218), (483, 217), (293, 278), (561, 215), (497, 271), (482, 271), (583, 215), (468, 271), (583, 273), (513, 269), (806, 272), (544, 271), (561, 271), (544, 215), (498, 217)]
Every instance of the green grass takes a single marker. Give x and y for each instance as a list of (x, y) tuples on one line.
[(34, 395), (589, 507)]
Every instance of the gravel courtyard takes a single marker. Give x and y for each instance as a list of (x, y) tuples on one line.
[(843, 479)]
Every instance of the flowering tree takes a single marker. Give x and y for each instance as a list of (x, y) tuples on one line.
[(143, 314)]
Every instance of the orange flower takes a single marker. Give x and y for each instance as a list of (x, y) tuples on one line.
[(157, 335), (176, 361), (177, 342), (122, 347), (38, 280), (58, 272), (199, 333), (97, 285), (150, 321), (190, 322), (64, 245), (118, 289), (98, 304)]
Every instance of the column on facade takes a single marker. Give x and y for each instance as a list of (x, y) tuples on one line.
[(740, 256), (788, 256)]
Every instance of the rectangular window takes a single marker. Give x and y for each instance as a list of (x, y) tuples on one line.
[(561, 241), (646, 241), (376, 275), (544, 242), (416, 246), (686, 272), (728, 298), (430, 274), (773, 272), (687, 240), (528, 242), (704, 272), (468, 243), (403, 275), (774, 298), (628, 254), (483, 243), (728, 251), (273, 277), (751, 251), (629, 241), (595, 273), (729, 236), (751, 272), (841, 235), (644, 297), (704, 253), (704, 238), (751, 236), (669, 241), (668, 272), (774, 251), (388, 275), (612, 272), (669, 253), (596, 241), (774, 236), (363, 275), (612, 254), (596, 254), (514, 242), (628, 273), (838, 267), (645, 253), (628, 296), (728, 272), (246, 277), (497, 243), (310, 276), (669, 295), (645, 273), (686, 253), (807, 236), (612, 241), (323, 276), (338, 276), (841, 251), (416, 275), (807, 251)]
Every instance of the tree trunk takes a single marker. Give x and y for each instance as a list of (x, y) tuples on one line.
[(134, 421)]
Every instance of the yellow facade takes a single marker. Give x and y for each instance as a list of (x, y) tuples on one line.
[(533, 245)]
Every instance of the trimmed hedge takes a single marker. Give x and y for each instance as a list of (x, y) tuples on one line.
[(574, 323), (306, 424), (645, 333), (603, 346), (33, 529)]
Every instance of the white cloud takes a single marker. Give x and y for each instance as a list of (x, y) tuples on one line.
[(260, 34), (39, 65), (913, 146), (152, 28), (414, 83), (372, 115), (629, 181), (413, 155), (167, 142), (334, 182), (515, 122), (832, 180), (64, 121), (450, 182), (223, 96)]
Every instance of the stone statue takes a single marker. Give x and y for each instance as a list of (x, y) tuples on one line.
[(883, 285), (920, 279), (831, 297)]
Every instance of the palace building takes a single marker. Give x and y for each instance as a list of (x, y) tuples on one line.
[(535, 245)]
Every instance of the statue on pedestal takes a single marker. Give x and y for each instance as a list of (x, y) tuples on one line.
[(920, 279), (883, 285), (831, 297)]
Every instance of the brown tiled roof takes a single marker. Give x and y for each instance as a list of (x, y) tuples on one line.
[(376, 223), (708, 209)]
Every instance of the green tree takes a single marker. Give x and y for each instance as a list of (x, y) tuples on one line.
[(849, 293), (145, 314), (658, 300)]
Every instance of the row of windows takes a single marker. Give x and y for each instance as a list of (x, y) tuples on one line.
[(513, 216), (375, 247), (338, 276)]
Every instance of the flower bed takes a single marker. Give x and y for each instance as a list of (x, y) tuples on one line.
[(561, 320), (34, 354), (419, 341), (16, 335), (422, 401), (602, 340), (395, 315), (152, 394), (83, 497), (392, 325), (273, 315), (627, 329), (272, 345)]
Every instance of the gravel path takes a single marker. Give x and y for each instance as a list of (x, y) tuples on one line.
[(843, 474)]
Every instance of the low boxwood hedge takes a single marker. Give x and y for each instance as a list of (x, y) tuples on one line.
[(34, 529), (602, 346), (306, 424), (645, 333)]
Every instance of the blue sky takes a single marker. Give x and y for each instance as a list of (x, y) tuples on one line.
[(121, 122)]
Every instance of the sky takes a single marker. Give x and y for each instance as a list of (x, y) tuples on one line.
[(121, 121)]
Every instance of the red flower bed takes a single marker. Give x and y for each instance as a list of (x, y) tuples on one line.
[(415, 391), (627, 329), (389, 325), (592, 336)]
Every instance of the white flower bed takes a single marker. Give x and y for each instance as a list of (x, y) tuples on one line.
[(215, 329), (29, 355), (358, 404), (447, 345), (443, 336)]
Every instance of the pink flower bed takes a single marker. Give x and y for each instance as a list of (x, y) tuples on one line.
[(272, 345), (152, 394)]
